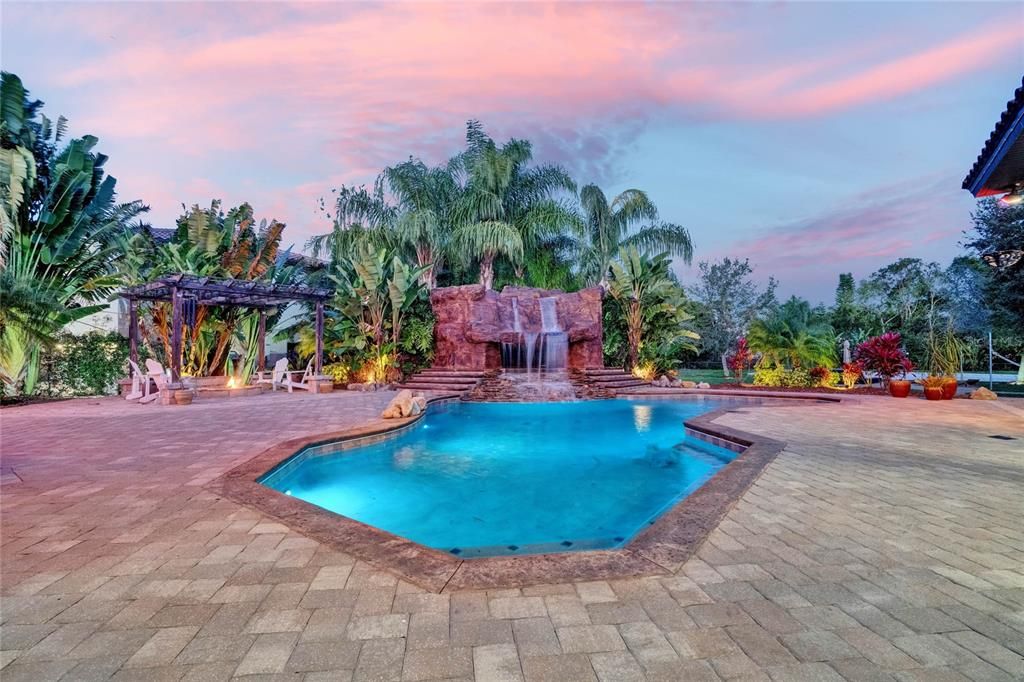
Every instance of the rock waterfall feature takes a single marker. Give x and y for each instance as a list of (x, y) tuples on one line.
[(528, 338)]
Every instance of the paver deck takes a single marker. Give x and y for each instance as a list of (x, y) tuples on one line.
[(885, 542)]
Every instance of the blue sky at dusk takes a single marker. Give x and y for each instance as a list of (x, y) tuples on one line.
[(811, 138)]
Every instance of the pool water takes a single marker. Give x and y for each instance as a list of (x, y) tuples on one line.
[(490, 479)]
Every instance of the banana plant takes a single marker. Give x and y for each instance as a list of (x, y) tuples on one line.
[(638, 283), (60, 223)]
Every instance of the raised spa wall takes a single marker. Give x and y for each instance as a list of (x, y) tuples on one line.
[(473, 322)]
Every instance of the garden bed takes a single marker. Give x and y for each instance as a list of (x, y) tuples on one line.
[(860, 390)]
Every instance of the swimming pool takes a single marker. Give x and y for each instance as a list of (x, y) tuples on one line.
[(493, 479)]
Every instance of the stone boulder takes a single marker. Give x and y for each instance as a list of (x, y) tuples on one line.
[(688, 384), (404, 405), (703, 384), (983, 394)]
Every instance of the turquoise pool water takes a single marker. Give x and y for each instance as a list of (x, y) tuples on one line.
[(488, 479)]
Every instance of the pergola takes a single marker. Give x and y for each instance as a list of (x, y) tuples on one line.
[(210, 291)]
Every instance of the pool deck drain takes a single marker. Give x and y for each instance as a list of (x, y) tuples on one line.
[(660, 549)]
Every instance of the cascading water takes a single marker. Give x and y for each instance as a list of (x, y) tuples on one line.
[(535, 363), (556, 341)]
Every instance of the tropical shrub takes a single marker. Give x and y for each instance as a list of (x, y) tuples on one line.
[(338, 371), (821, 375), (798, 377), (645, 371), (852, 372), (89, 364), (884, 355), (740, 359), (59, 220), (765, 375), (791, 337), (645, 296)]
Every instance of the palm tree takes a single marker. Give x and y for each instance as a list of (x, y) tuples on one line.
[(359, 216), (507, 209), (60, 225), (629, 220), (425, 201), (790, 336), (642, 287)]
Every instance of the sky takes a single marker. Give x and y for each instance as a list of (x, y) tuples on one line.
[(811, 138)]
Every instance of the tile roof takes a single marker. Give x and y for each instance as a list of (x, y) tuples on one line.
[(1014, 108)]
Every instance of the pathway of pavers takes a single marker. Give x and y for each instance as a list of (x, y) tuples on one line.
[(886, 542)]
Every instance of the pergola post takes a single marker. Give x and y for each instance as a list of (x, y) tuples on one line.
[(176, 323), (319, 337), (261, 335), (133, 335)]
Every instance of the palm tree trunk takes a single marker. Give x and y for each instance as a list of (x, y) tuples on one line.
[(487, 270), (634, 331)]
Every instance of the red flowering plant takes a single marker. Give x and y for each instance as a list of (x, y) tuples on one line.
[(740, 359), (884, 355), (852, 371)]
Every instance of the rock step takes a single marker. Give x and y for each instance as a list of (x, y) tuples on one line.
[(622, 383), (432, 378), (600, 372), (454, 372), (424, 386), (610, 377)]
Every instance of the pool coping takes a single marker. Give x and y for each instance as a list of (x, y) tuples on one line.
[(660, 549)]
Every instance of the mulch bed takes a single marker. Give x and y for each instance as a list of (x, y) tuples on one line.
[(860, 390)]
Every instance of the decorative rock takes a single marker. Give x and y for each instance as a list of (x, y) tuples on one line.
[(703, 384), (472, 322), (688, 384), (983, 394), (419, 401), (403, 405)]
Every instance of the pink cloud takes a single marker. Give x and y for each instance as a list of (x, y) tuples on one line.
[(306, 95), (867, 228)]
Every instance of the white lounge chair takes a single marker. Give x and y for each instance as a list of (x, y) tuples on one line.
[(140, 384), (154, 371), (275, 377), (303, 381)]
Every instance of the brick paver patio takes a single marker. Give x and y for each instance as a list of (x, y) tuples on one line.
[(886, 542)]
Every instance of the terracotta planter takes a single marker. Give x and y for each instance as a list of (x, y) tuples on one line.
[(949, 389), (183, 396), (933, 392), (899, 388)]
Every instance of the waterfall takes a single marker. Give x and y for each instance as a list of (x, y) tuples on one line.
[(556, 341), (542, 354)]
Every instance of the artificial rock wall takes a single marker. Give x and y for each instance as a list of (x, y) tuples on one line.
[(472, 322)]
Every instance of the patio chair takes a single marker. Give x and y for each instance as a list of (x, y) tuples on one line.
[(303, 381), (154, 371), (140, 384), (275, 377)]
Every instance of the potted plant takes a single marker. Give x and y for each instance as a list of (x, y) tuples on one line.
[(884, 355), (933, 386), (947, 358), (949, 386)]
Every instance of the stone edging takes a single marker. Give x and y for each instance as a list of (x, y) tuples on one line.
[(661, 549)]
